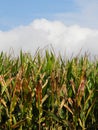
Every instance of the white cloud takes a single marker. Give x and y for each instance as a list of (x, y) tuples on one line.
[(41, 32), (85, 16)]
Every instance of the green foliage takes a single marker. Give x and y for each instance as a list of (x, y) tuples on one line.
[(48, 92)]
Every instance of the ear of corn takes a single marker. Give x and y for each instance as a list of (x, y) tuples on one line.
[(48, 92)]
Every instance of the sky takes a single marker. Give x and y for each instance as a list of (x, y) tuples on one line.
[(68, 25), (22, 12)]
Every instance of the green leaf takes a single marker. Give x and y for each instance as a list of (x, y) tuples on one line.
[(89, 110), (3, 89)]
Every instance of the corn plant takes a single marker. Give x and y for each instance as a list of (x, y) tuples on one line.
[(46, 92)]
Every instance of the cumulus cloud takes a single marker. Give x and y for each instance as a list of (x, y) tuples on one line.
[(41, 33)]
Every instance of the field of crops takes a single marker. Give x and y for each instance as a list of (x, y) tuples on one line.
[(46, 92)]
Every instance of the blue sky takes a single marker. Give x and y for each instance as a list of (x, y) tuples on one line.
[(22, 12), (14, 13)]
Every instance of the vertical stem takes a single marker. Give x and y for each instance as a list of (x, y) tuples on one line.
[(39, 114), (67, 117), (83, 125), (0, 112), (39, 121), (0, 104)]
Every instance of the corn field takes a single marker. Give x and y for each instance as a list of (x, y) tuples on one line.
[(48, 92)]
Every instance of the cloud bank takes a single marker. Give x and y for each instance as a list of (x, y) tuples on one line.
[(41, 33)]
